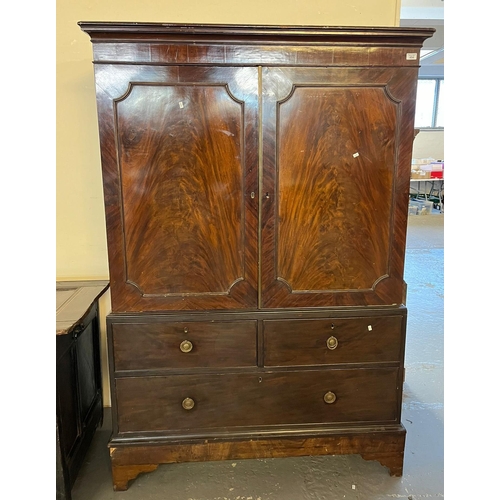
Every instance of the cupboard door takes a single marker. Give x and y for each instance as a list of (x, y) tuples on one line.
[(337, 154), (180, 159)]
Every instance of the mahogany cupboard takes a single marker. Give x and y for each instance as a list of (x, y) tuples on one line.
[(256, 189)]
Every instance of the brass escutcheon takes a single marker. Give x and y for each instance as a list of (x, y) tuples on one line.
[(188, 404), (332, 343), (186, 346), (329, 397)]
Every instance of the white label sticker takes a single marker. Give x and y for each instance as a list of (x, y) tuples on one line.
[(355, 155), (181, 104), (411, 56)]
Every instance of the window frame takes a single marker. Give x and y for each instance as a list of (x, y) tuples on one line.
[(437, 92)]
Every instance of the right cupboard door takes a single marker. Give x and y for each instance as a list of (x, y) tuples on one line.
[(337, 146)]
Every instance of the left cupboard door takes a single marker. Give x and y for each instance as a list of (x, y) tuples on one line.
[(179, 151)]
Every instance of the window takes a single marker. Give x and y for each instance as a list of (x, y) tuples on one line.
[(429, 112)]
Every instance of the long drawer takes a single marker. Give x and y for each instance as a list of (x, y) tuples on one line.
[(334, 340), (191, 344), (187, 402)]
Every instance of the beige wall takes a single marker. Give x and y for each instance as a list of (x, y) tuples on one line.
[(80, 230), (429, 144)]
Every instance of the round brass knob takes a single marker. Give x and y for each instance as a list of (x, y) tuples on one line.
[(186, 346), (329, 397), (332, 343), (188, 404)]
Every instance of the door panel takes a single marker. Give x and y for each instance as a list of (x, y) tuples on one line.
[(183, 152), (182, 188), (69, 424), (330, 178), (334, 182), (85, 358)]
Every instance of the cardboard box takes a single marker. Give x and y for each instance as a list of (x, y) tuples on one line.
[(420, 207), (421, 174)]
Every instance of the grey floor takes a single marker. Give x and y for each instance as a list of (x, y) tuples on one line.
[(330, 477)]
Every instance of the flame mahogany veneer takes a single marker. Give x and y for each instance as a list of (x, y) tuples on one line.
[(256, 187)]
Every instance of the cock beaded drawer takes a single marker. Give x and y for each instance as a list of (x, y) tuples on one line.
[(256, 189)]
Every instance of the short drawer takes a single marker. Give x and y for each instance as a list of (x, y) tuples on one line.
[(330, 341), (191, 403), (192, 344)]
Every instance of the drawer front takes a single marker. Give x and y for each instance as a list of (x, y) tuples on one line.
[(330, 341), (149, 346), (194, 402)]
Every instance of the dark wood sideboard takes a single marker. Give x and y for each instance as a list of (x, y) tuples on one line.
[(256, 186), (79, 405)]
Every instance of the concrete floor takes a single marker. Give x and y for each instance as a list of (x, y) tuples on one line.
[(330, 477)]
